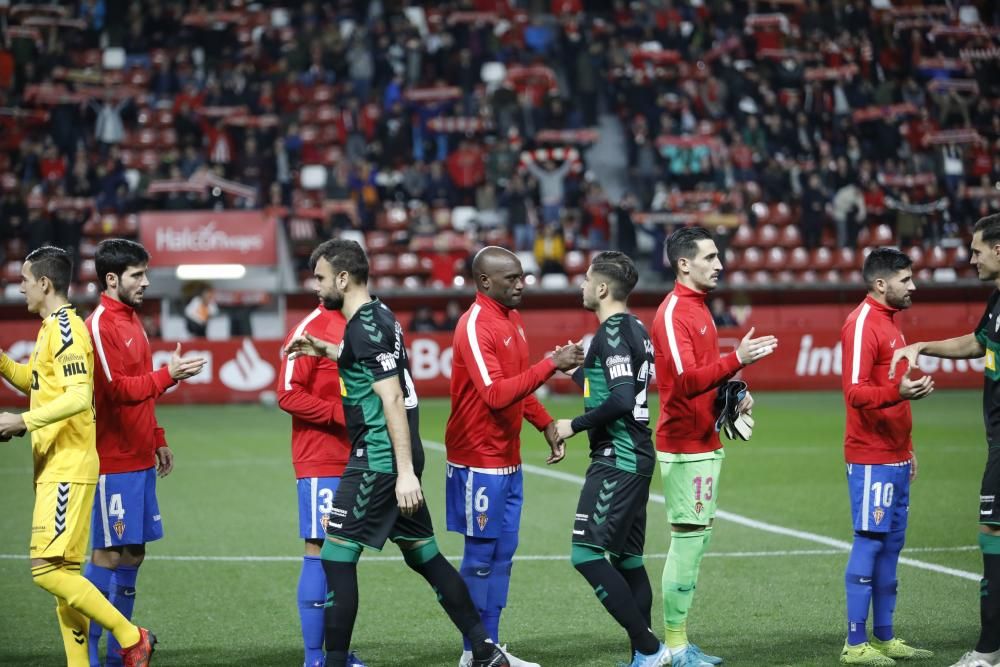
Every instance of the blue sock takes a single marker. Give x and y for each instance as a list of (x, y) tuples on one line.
[(477, 567), (884, 585), (858, 582), (503, 561), (101, 578), (311, 598), (123, 598)]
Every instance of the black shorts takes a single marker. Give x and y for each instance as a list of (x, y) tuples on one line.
[(611, 514), (989, 512), (365, 511)]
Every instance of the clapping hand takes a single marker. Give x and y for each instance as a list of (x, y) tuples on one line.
[(752, 350), (182, 368), (569, 356)]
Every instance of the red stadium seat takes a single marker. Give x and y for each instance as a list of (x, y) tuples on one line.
[(88, 271), (376, 241), (916, 255), (798, 258), (735, 278), (822, 259), (937, 258), (386, 282), (790, 237), (762, 212), (777, 259), (883, 235), (761, 278), (831, 276), (781, 214), (924, 275), (767, 236), (960, 258), (846, 259), (807, 277), (12, 272), (729, 259), (575, 262), (753, 259), (743, 238), (383, 263), (785, 277)]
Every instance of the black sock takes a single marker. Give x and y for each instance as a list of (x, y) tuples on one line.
[(642, 591), (454, 597), (616, 596), (989, 604), (341, 610)]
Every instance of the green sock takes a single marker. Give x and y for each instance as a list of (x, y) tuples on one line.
[(679, 577)]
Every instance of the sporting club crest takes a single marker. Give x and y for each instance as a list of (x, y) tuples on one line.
[(482, 520), (878, 514)]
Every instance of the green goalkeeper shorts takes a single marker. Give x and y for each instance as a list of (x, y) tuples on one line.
[(691, 486)]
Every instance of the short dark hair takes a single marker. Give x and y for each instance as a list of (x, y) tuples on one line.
[(115, 256), (990, 227), (884, 262), (620, 271), (684, 243), (52, 263), (343, 255)]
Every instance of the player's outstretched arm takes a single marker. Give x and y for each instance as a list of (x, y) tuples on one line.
[(960, 347), (17, 374), (75, 399), (408, 493), (295, 399), (307, 344)]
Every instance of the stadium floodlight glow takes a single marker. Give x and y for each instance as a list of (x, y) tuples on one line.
[(210, 271)]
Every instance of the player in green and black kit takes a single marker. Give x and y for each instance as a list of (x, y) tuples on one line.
[(379, 496), (611, 513), (985, 340)]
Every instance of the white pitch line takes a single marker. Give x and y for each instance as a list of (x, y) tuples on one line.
[(752, 523), (780, 553)]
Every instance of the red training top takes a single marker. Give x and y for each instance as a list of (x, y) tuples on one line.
[(878, 418), (309, 390), (688, 371), (125, 389), (492, 387)]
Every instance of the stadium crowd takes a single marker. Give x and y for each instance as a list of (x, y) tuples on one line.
[(790, 126)]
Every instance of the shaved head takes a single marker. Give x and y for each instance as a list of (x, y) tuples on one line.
[(498, 274)]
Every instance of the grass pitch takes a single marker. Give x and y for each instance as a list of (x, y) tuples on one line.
[(220, 588)]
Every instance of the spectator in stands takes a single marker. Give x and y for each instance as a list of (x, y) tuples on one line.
[(909, 223), (814, 201), (849, 214), (467, 169), (452, 312), (423, 321), (440, 190), (550, 250), (200, 309), (624, 224), (551, 186), (109, 130), (721, 314), (501, 162), (521, 219)]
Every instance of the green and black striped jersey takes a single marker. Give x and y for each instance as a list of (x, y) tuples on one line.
[(373, 350), (620, 353), (988, 335)]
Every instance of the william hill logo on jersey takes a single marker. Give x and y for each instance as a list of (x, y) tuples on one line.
[(619, 366), (74, 368), (387, 360)]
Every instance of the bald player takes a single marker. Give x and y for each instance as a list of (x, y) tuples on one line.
[(492, 391)]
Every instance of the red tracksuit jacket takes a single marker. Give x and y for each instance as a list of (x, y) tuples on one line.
[(688, 370), (125, 389), (492, 387), (309, 390), (878, 418)]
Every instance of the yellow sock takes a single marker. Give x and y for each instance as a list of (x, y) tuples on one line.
[(74, 626), (81, 595), (677, 637)]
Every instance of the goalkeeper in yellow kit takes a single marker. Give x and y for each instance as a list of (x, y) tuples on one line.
[(59, 381)]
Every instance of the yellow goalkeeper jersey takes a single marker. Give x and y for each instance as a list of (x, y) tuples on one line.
[(62, 361)]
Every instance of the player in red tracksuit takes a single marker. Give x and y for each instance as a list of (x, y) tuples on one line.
[(492, 391), (309, 390), (130, 443), (879, 455), (689, 372)]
